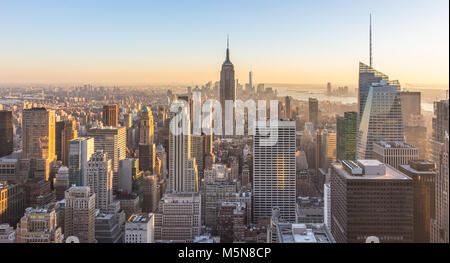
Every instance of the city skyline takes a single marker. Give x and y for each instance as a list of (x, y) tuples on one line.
[(290, 42)]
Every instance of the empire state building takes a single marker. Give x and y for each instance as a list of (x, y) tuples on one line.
[(227, 83)]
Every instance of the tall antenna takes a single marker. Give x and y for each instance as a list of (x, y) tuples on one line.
[(371, 65)]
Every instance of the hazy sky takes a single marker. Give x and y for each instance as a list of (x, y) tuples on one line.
[(184, 41)]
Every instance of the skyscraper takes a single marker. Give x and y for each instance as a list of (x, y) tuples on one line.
[(146, 146), (64, 133), (38, 143), (99, 179), (440, 154), (394, 153), (274, 177), (423, 174), (381, 119), (288, 107), (146, 126), (178, 218), (413, 122), (6, 133), (369, 198), (79, 214), (183, 173), (111, 140), (314, 112), (111, 115), (346, 136), (80, 152), (227, 84), (440, 128)]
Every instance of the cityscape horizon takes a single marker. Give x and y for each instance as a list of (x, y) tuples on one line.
[(332, 129)]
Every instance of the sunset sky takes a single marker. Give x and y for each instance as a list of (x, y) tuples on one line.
[(184, 41)]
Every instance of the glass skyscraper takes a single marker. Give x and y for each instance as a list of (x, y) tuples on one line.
[(346, 136), (381, 119), (367, 76)]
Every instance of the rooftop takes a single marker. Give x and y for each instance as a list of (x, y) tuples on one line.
[(140, 218), (303, 233), (394, 145), (369, 170)]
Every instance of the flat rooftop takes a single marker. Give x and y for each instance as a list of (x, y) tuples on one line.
[(390, 173), (394, 145), (140, 218)]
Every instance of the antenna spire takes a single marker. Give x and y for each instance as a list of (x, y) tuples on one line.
[(370, 32), (228, 48)]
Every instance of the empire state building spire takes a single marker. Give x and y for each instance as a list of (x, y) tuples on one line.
[(227, 60), (227, 82)]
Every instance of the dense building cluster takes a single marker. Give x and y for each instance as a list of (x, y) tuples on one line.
[(102, 165)]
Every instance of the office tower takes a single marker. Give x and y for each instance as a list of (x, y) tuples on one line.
[(318, 152), (227, 85), (7, 234), (440, 224), (410, 102), (12, 203), (161, 156), (6, 133), (274, 170), (146, 129), (183, 173), (287, 102), (245, 180), (79, 214), (394, 153), (440, 128), (346, 136), (38, 226), (423, 174), (327, 205), (328, 148), (61, 182), (38, 140), (99, 179), (382, 118), (147, 157), (367, 76), (128, 120), (413, 122), (139, 229), (329, 89), (369, 198), (111, 115), (129, 174), (178, 218), (417, 137), (198, 152), (250, 82), (108, 229), (304, 185), (234, 165), (80, 152), (38, 192), (313, 112), (111, 140), (65, 131), (152, 192), (232, 220)]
